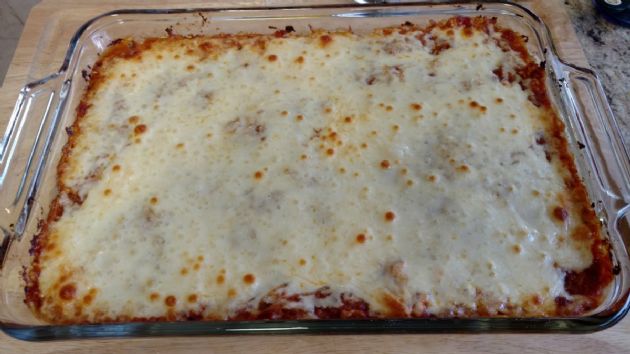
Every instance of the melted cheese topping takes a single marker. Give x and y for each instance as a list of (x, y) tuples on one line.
[(367, 164)]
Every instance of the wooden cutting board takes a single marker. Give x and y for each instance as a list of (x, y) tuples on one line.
[(614, 340)]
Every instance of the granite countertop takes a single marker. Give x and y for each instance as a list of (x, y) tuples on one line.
[(607, 48)]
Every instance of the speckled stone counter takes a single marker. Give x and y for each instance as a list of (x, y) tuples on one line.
[(607, 48)]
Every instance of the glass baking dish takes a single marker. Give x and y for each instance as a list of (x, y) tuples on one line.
[(31, 147)]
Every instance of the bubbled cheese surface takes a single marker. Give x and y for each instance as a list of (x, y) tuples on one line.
[(364, 163)]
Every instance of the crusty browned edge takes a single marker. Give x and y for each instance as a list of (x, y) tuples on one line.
[(587, 285)]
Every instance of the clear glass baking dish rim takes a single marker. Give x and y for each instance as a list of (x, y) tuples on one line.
[(60, 80)]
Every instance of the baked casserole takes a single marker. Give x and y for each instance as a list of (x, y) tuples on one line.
[(415, 171)]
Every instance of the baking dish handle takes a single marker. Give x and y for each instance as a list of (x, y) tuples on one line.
[(24, 149), (599, 127)]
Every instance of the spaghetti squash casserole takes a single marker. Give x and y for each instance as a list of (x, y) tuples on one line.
[(412, 171)]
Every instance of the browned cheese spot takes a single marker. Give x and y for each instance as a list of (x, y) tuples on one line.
[(325, 40), (560, 213), (537, 299), (249, 278), (463, 168), (67, 292), (170, 301), (516, 249), (139, 129), (476, 105)]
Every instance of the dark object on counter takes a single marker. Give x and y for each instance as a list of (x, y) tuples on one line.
[(617, 11)]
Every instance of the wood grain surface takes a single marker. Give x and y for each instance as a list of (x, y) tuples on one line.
[(613, 340)]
